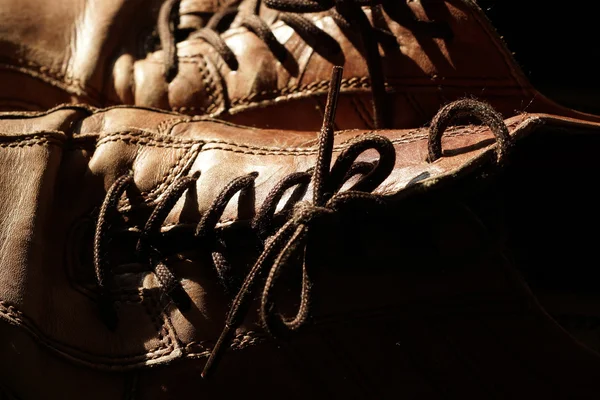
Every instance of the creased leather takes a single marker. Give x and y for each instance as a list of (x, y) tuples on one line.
[(76, 50), (50, 54), (65, 160)]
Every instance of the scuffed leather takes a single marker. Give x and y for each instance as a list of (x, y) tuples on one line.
[(99, 52), (378, 287)]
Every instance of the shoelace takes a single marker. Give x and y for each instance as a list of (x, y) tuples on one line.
[(348, 15), (290, 243)]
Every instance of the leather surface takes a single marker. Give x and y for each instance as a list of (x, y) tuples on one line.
[(392, 298), (76, 50), (90, 51)]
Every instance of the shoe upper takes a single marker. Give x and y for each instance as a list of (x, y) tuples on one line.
[(406, 57), (397, 259), (65, 51), (427, 59), (142, 250)]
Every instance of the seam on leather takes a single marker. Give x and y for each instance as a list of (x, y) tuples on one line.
[(148, 139), (201, 349), (16, 317), (33, 139), (320, 86), (220, 87), (181, 166), (168, 324), (311, 88), (9, 115), (154, 313), (307, 152), (28, 143), (67, 84), (13, 316), (255, 104), (103, 110), (209, 84), (166, 126), (171, 175), (216, 96)]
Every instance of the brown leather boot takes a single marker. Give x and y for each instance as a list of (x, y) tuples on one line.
[(150, 255), (64, 51), (270, 67)]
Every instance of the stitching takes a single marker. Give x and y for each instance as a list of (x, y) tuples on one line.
[(12, 313), (150, 307), (164, 126), (51, 73), (239, 342), (424, 88), (31, 142), (220, 87), (185, 110), (148, 139), (287, 152), (246, 339), (205, 76), (164, 331), (348, 83), (210, 85), (147, 142), (178, 168), (168, 142), (170, 175), (47, 135), (168, 323)]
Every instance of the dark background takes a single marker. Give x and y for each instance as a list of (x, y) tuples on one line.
[(556, 44)]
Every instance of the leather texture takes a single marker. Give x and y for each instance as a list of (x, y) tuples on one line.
[(56, 53), (416, 299), (77, 51)]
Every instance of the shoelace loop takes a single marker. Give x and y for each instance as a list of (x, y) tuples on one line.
[(471, 109)]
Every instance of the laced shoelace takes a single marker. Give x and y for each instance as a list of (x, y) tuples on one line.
[(347, 14), (289, 244)]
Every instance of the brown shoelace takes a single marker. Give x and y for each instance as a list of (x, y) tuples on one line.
[(347, 14), (285, 246)]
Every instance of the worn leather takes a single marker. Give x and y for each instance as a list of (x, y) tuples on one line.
[(77, 50), (97, 52), (419, 299)]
